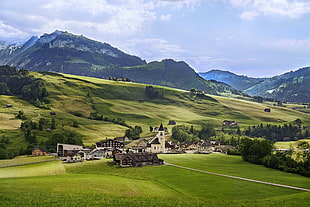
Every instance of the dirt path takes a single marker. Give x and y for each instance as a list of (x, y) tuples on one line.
[(240, 178)]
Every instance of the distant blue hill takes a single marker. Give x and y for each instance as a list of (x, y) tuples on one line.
[(293, 86)]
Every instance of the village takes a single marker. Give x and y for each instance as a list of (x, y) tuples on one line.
[(139, 153)]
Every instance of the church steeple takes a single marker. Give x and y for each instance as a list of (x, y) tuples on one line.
[(161, 128)]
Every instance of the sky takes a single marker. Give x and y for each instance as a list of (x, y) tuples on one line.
[(258, 38)]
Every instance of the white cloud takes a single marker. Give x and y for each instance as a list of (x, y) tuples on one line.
[(249, 15), (166, 17), (11, 32), (283, 8), (117, 17), (293, 45), (178, 4), (153, 49)]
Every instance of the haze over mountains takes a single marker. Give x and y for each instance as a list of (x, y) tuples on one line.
[(67, 53), (75, 54), (293, 86)]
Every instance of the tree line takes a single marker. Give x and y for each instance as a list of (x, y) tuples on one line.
[(21, 83), (260, 151), (277, 133), (188, 134)]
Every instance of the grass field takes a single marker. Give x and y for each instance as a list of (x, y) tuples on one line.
[(38, 169), (25, 159), (288, 145), (73, 98), (100, 183)]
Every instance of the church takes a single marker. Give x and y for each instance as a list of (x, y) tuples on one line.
[(157, 143)]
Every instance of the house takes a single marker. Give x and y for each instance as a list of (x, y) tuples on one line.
[(9, 105), (53, 113), (140, 147), (267, 110), (157, 143), (96, 154), (110, 144), (171, 147), (38, 152), (75, 157), (223, 148), (205, 147), (122, 139), (137, 159), (230, 123), (172, 122), (215, 143), (69, 152)]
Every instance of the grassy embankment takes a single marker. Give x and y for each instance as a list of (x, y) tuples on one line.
[(73, 98), (291, 144), (100, 183)]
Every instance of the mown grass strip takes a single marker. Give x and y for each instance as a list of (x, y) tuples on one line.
[(28, 163), (240, 178)]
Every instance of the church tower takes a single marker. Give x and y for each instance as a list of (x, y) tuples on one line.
[(161, 137), (158, 143)]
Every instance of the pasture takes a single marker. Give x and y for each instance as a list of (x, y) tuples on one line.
[(101, 183), (290, 144), (73, 98)]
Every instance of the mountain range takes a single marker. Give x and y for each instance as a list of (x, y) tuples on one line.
[(75, 54), (293, 86)]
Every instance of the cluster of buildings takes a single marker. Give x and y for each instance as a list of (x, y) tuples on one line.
[(115, 148), (143, 153)]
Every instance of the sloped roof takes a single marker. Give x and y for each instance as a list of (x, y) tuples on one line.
[(161, 128), (155, 141), (42, 150), (138, 157), (70, 146)]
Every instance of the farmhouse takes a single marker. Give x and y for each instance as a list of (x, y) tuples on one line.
[(70, 153), (267, 110), (136, 159), (230, 123), (172, 122), (38, 152)]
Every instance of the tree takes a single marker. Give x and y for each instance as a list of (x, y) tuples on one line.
[(206, 132), (53, 124), (238, 131), (133, 133), (182, 133), (254, 150), (4, 154)]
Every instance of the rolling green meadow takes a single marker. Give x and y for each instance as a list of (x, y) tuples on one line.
[(101, 183), (74, 98)]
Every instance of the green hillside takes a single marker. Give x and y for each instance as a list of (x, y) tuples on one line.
[(121, 104)]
